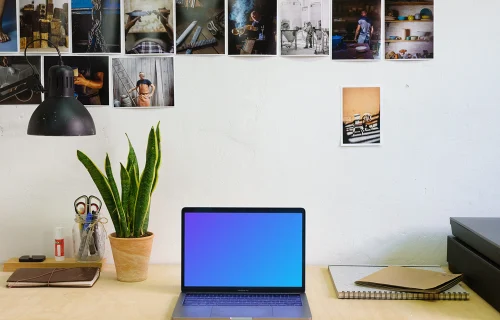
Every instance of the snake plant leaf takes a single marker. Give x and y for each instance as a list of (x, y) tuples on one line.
[(146, 220), (146, 184), (104, 188), (132, 198), (158, 162), (132, 159), (125, 179), (114, 190)]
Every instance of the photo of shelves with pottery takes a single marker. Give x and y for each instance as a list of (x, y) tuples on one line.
[(409, 30)]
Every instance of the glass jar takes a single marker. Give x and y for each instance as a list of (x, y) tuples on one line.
[(89, 238)]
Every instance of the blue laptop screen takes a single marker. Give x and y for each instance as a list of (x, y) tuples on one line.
[(243, 249)]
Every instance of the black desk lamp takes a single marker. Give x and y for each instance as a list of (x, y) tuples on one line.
[(60, 114)]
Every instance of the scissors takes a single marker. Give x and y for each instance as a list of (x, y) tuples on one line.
[(88, 208)]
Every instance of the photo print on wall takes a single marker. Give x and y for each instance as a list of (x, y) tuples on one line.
[(361, 116), (200, 27), (304, 27), (409, 31), (42, 19), (143, 82), (13, 69), (91, 77), (356, 30), (8, 26), (95, 26), (149, 26), (253, 27)]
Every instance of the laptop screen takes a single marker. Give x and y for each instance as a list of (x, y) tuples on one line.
[(243, 249)]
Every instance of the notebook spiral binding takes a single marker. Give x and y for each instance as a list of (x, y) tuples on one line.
[(382, 295)]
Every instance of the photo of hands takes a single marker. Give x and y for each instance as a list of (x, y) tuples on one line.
[(91, 77), (148, 27)]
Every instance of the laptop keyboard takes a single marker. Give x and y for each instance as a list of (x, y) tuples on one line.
[(214, 299)]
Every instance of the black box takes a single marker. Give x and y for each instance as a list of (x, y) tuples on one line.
[(481, 234), (480, 273)]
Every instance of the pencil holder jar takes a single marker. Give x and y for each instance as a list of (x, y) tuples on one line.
[(89, 238)]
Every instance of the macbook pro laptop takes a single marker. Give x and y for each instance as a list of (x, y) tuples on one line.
[(243, 263)]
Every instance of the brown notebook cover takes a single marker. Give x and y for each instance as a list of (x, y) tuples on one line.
[(54, 277), (410, 280)]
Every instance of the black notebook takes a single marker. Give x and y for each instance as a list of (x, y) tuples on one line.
[(53, 277)]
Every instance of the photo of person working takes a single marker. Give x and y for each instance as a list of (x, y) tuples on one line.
[(151, 42), (144, 95), (364, 31), (90, 77)]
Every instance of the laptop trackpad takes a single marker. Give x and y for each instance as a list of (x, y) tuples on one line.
[(242, 311)]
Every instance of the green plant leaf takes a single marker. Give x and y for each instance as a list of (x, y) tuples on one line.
[(146, 221), (158, 162), (114, 190), (125, 179), (104, 188), (146, 184), (132, 198), (132, 159)]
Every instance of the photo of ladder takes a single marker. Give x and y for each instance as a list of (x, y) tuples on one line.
[(125, 80)]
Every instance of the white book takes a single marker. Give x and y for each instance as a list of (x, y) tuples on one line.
[(344, 277)]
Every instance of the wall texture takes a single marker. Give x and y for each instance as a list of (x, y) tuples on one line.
[(266, 132)]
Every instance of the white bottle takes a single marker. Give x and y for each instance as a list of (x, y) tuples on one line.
[(59, 244)]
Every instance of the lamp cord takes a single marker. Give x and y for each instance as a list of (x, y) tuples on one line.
[(52, 44)]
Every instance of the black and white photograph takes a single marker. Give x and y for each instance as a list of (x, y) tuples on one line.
[(42, 20), (91, 77), (149, 26), (13, 70), (361, 116), (143, 82), (95, 26), (304, 27)]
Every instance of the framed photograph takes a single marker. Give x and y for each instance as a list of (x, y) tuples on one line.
[(8, 26), (143, 82), (252, 25), (149, 26), (95, 26), (361, 116), (356, 30), (16, 68), (200, 27), (43, 20), (409, 30), (304, 27), (91, 77)]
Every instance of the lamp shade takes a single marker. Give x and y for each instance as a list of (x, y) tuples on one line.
[(61, 114)]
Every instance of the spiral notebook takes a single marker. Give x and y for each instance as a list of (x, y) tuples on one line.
[(345, 276)]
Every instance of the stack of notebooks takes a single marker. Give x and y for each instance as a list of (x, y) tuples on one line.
[(396, 283), (53, 277), (474, 251)]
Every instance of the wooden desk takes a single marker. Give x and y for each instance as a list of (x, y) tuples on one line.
[(155, 298)]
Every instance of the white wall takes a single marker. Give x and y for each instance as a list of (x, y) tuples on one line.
[(266, 132)]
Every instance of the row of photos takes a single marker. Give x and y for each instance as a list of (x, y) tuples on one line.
[(148, 82), (244, 27)]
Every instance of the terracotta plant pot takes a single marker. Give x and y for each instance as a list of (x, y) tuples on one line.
[(131, 256)]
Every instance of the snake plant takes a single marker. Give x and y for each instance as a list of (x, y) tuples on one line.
[(129, 210)]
